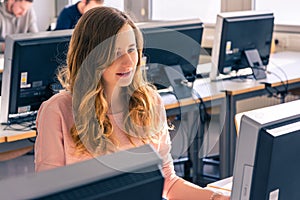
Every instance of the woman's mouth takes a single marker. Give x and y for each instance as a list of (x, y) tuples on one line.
[(123, 74)]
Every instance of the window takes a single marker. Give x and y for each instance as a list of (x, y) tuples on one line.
[(286, 12), (206, 10), (112, 3)]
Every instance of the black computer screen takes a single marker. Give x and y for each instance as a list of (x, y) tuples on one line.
[(30, 65), (266, 162), (238, 34), (276, 164), (172, 43)]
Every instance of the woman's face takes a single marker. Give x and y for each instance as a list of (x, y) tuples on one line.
[(120, 73)]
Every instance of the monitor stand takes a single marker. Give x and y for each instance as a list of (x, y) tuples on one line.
[(169, 79), (181, 86), (254, 61)]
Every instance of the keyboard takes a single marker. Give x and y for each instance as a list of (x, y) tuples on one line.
[(27, 117)]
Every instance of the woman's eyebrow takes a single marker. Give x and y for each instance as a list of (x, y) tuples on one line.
[(132, 45)]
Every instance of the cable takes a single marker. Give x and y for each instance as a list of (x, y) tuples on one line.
[(204, 115), (285, 75), (19, 128), (32, 140), (283, 83)]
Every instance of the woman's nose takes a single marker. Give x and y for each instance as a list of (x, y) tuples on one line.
[(127, 59)]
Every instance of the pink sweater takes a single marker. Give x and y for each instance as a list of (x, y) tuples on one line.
[(54, 146)]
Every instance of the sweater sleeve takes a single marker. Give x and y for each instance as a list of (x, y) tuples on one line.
[(168, 166), (164, 149), (49, 149), (33, 27)]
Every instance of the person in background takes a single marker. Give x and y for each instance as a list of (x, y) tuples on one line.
[(70, 15), (107, 106), (16, 16)]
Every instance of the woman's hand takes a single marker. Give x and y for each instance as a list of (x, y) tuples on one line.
[(219, 196)]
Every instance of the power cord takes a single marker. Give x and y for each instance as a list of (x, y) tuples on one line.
[(277, 93), (21, 123)]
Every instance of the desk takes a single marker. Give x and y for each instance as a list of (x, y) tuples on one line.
[(14, 143), (2, 138), (287, 73), (224, 186), (212, 96), (14, 135), (235, 91)]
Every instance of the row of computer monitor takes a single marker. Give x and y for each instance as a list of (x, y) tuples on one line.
[(32, 59)]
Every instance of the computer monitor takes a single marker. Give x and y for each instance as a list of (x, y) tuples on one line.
[(267, 154), (171, 43), (242, 40), (133, 174), (30, 65)]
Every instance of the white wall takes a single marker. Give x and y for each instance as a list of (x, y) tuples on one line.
[(45, 11), (206, 10), (115, 3)]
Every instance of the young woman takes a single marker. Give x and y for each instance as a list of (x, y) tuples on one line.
[(107, 105)]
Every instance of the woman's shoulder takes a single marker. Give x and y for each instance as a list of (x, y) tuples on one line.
[(61, 100)]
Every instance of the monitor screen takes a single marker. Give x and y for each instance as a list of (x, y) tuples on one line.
[(133, 174), (242, 40), (30, 65), (173, 43), (267, 155)]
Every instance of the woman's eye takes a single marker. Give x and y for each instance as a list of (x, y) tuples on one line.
[(131, 50)]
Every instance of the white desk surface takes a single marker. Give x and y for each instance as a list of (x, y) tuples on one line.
[(283, 66), (207, 90), (224, 186), (9, 135)]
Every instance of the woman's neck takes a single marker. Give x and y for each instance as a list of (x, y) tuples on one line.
[(115, 100)]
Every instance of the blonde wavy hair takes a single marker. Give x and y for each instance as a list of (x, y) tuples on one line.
[(91, 51)]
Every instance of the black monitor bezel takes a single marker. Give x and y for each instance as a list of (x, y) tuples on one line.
[(189, 66), (231, 57), (10, 99)]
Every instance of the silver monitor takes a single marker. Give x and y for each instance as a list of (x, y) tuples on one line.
[(267, 154)]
